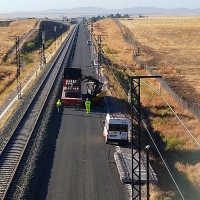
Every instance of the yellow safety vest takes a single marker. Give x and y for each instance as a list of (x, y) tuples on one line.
[(87, 103), (58, 103)]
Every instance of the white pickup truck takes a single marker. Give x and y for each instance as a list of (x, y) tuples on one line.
[(116, 128)]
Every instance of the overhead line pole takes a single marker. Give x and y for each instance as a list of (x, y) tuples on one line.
[(99, 55), (147, 148), (55, 36), (61, 32), (92, 51), (18, 62), (134, 100), (42, 53)]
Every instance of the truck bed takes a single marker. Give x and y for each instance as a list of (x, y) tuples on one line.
[(71, 95)]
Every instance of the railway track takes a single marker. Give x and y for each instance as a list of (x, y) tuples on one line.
[(15, 138)]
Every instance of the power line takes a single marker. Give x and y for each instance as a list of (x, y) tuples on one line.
[(158, 92), (145, 126)]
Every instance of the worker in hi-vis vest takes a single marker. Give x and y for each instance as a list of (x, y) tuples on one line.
[(58, 103), (87, 105)]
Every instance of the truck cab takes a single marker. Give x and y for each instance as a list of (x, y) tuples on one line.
[(116, 128)]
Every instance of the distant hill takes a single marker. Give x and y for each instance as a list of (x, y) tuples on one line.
[(94, 11), (136, 10)]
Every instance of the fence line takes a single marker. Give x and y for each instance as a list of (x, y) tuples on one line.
[(179, 100)]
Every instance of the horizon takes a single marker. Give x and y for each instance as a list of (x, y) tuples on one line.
[(38, 6), (105, 8), (32, 11)]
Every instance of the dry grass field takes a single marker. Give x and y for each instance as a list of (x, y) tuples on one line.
[(7, 41), (170, 45), (8, 68), (15, 28)]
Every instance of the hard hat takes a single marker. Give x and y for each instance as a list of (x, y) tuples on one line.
[(87, 99)]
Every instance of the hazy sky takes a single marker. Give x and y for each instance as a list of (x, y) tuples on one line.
[(39, 5)]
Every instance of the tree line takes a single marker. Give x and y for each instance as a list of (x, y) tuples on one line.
[(95, 19)]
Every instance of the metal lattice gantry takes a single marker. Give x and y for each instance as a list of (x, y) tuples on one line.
[(134, 100)]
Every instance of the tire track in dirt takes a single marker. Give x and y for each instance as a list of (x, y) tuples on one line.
[(138, 48)]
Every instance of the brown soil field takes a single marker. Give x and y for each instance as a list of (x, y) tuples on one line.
[(170, 45)]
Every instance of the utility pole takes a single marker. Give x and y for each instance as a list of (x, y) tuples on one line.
[(61, 31), (134, 100), (99, 55), (147, 148), (55, 36), (18, 62), (42, 53), (91, 33)]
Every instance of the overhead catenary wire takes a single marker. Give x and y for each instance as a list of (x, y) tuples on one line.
[(163, 160), (145, 126), (175, 114), (189, 132), (115, 76)]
